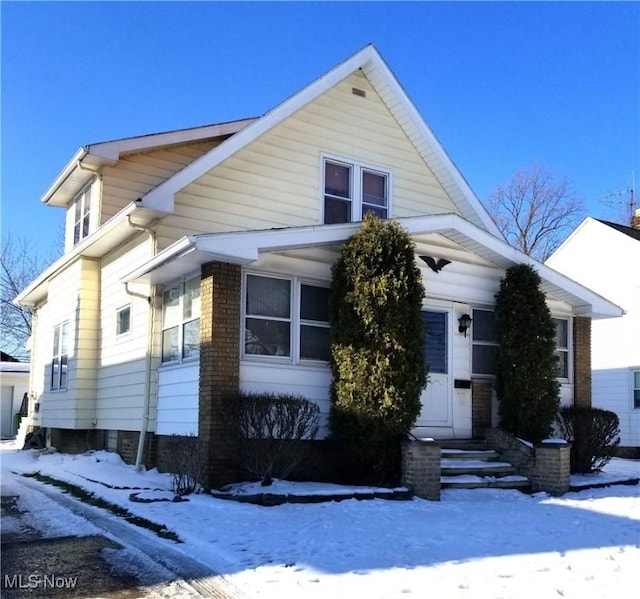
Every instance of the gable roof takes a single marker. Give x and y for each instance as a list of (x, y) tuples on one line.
[(630, 231), (244, 247), (87, 160), (392, 94)]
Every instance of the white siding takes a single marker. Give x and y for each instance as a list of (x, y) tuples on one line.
[(122, 373), (178, 399), (276, 180), (606, 261)]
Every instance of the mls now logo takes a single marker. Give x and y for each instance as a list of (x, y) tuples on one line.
[(39, 581)]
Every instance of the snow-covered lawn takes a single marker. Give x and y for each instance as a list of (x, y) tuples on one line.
[(473, 544)]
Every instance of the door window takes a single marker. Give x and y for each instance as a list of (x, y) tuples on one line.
[(436, 342)]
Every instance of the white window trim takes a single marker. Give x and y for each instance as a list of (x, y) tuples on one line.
[(84, 197), (57, 353), (128, 331), (294, 320), (479, 342), (181, 360), (357, 168), (570, 350), (632, 371)]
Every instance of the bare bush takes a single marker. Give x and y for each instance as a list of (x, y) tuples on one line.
[(268, 432), (186, 461)]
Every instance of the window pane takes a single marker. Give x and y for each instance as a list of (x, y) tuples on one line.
[(191, 339), (191, 308), (76, 233), (314, 343), (374, 189), (63, 371), (56, 341), (171, 307), (563, 364), (484, 326), (267, 337), (123, 321), (55, 372), (85, 226), (636, 379), (170, 349), (64, 341), (379, 212), (435, 346), (562, 328), (337, 180), (268, 297), (336, 211), (484, 359), (314, 303), (636, 398)]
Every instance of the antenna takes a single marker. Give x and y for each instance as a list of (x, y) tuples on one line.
[(629, 203)]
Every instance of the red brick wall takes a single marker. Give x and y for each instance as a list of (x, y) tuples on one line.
[(219, 362), (582, 361), (480, 407)]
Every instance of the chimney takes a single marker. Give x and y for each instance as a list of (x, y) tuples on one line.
[(635, 220)]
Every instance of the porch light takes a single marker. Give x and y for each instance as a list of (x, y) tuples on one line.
[(464, 322)]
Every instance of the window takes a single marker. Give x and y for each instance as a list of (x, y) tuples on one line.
[(60, 356), (123, 320), (181, 321), (351, 190), (82, 215), (636, 389), (286, 317), (484, 342), (562, 346), (435, 343)]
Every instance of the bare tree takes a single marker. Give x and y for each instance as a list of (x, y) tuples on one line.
[(19, 265), (534, 211)]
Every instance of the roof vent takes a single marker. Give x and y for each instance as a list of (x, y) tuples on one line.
[(358, 92)]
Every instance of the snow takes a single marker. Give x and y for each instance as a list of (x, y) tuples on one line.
[(473, 543)]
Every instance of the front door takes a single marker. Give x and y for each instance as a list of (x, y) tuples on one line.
[(437, 397)]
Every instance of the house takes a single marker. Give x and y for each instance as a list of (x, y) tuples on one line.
[(14, 383), (198, 262), (606, 257)]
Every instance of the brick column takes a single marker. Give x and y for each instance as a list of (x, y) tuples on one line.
[(219, 363), (553, 468), (481, 391), (582, 361), (421, 468)]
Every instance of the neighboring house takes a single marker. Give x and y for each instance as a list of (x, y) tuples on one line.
[(606, 257), (198, 262), (14, 383)]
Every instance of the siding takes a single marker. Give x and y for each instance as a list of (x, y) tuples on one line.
[(276, 180), (74, 296), (122, 371), (178, 399)]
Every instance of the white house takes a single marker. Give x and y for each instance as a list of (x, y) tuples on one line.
[(605, 256), (14, 383), (198, 262)]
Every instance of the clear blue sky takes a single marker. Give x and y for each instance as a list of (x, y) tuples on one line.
[(502, 85)]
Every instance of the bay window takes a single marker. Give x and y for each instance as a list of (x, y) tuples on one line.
[(286, 318)]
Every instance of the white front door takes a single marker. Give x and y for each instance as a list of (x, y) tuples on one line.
[(437, 397)]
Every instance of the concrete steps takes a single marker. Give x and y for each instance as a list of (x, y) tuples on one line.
[(470, 465)]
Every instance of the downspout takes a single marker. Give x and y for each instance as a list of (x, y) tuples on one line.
[(144, 425)]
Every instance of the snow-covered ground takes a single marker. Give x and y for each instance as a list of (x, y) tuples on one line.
[(472, 544)]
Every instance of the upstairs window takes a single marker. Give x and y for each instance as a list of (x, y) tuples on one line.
[(287, 318), (123, 320), (82, 215), (181, 321), (60, 356), (351, 190)]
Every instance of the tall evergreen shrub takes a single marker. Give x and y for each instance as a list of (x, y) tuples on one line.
[(377, 343), (527, 367)]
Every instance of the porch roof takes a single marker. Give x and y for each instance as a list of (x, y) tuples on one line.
[(245, 248)]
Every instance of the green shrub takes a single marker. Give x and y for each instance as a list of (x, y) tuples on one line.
[(593, 433), (377, 335), (526, 383)]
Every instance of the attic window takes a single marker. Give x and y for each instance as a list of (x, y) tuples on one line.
[(358, 92), (82, 215)]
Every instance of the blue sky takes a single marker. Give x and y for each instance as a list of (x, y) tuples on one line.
[(503, 85)]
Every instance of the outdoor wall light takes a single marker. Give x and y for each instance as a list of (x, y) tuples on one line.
[(464, 322)]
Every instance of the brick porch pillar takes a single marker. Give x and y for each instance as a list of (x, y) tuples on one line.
[(219, 363), (582, 361)]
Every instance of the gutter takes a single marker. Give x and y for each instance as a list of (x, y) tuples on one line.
[(144, 424)]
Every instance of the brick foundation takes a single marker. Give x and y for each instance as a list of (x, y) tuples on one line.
[(75, 441), (421, 468), (481, 392)]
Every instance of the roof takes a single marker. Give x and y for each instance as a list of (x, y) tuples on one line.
[(87, 160), (392, 94), (244, 247), (630, 231)]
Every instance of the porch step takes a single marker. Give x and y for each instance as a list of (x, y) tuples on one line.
[(470, 465)]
